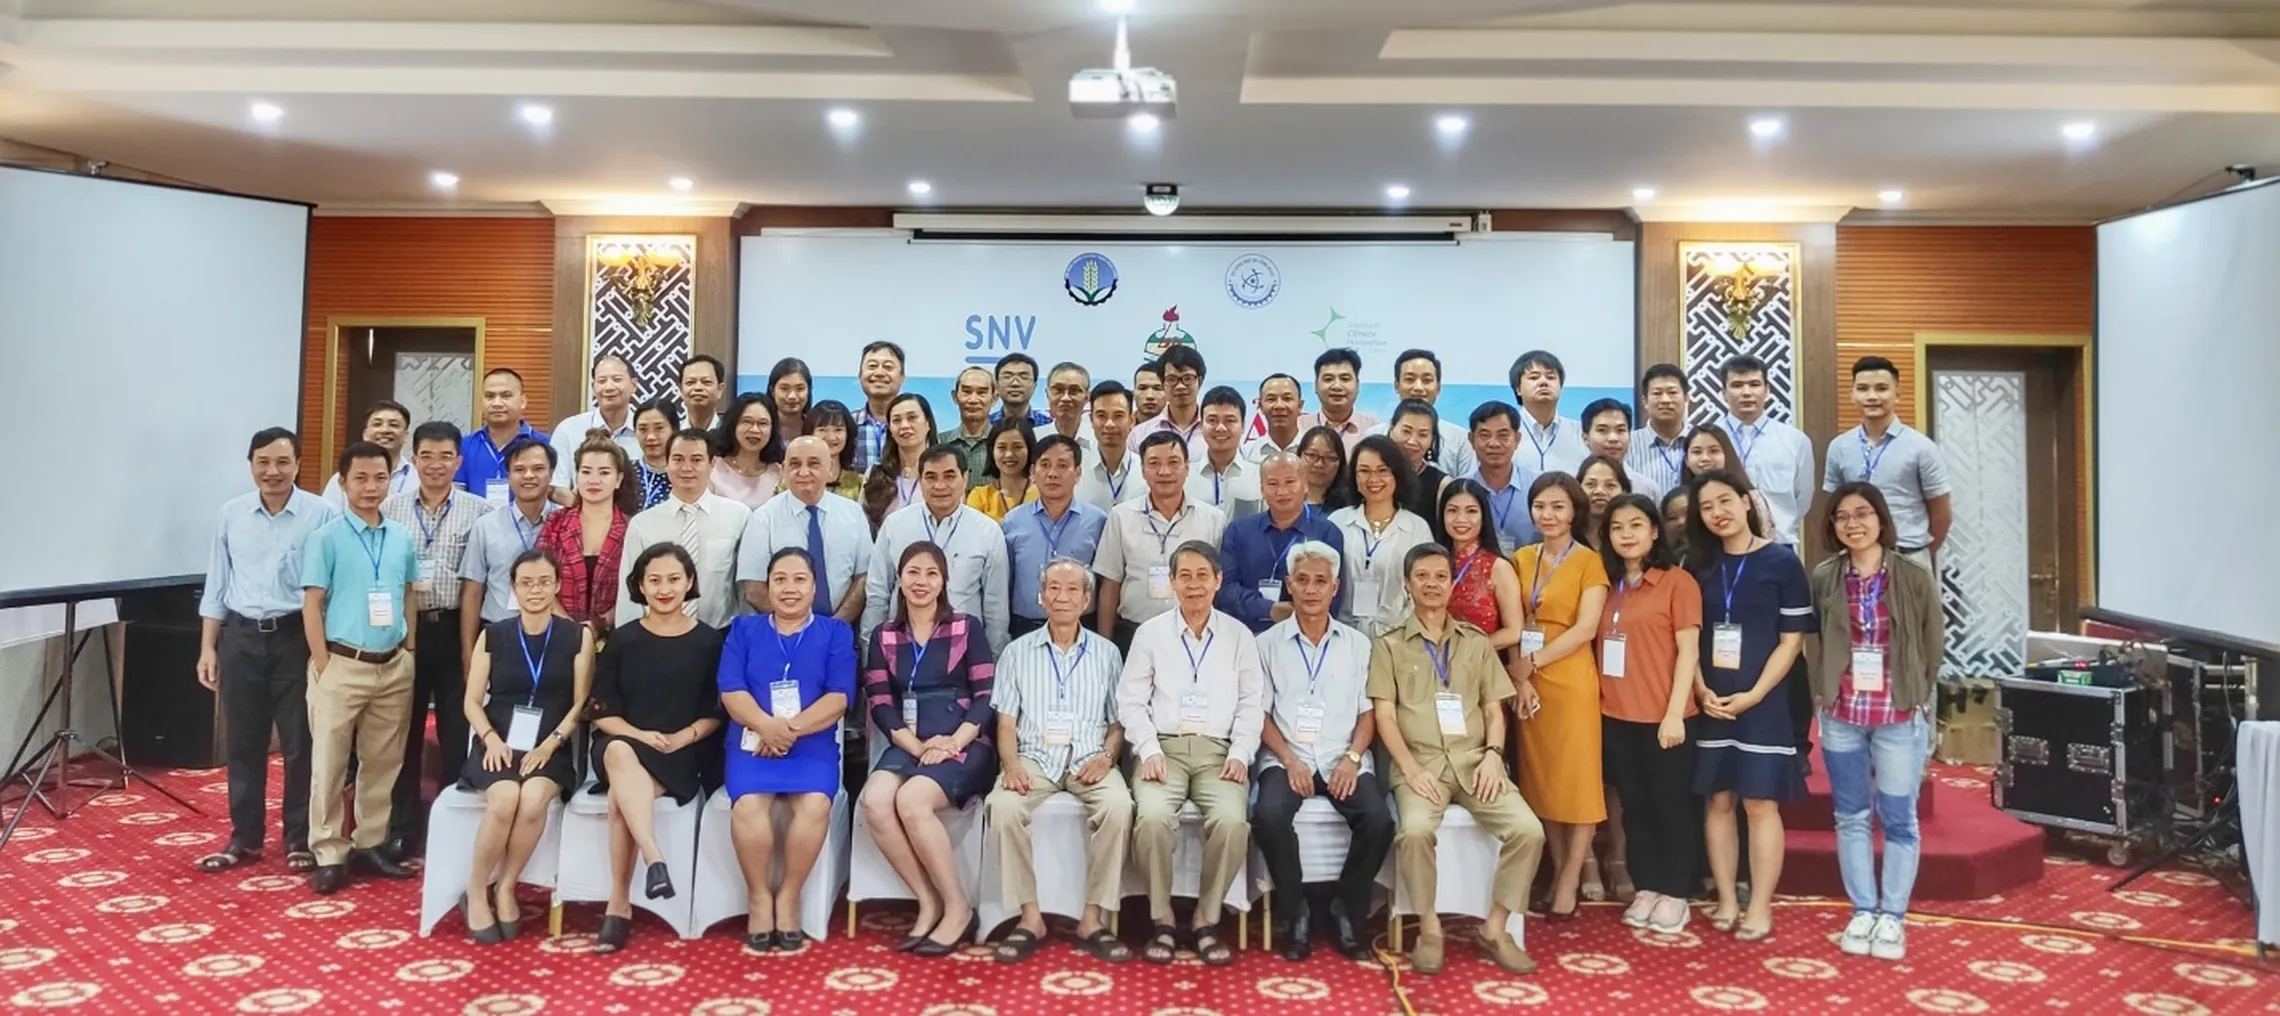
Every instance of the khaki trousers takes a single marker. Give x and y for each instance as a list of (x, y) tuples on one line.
[(1508, 818), (1108, 821), (1191, 772), (368, 706)]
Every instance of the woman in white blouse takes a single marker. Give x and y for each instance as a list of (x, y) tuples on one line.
[(1379, 533), (747, 455)]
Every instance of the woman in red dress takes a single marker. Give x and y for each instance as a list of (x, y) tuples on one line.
[(587, 538)]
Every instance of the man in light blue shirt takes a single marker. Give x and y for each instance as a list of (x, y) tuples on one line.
[(832, 529), (1777, 456), (356, 576), (251, 648), (486, 570), (1495, 437), (1056, 525)]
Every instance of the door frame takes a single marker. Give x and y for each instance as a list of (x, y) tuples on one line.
[(2085, 360), (335, 385)]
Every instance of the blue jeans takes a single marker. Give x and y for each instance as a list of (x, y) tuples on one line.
[(1892, 755)]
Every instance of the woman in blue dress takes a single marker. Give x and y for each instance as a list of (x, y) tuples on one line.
[(928, 688), (786, 678), (1756, 611)]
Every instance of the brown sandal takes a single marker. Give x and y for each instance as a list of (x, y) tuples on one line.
[(227, 858)]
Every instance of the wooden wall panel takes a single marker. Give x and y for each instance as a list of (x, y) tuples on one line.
[(501, 270), (1659, 284)]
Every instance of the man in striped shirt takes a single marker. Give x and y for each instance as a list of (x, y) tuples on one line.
[(1057, 732)]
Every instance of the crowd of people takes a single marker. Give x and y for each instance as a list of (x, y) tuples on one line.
[(1590, 633)]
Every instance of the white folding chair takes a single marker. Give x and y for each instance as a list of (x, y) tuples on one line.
[(720, 887), (585, 865), (1187, 873), (869, 877), (1465, 856), (1323, 840), (452, 823), (1056, 832)]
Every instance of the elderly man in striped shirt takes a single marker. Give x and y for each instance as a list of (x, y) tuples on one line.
[(1057, 732)]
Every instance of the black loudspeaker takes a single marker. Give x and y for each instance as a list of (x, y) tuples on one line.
[(167, 717)]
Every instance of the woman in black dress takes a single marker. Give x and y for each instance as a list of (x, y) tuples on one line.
[(533, 667), (655, 712)]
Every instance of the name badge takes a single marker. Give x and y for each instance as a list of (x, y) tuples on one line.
[(1365, 600), (1059, 725), (431, 571), (1159, 582), (1271, 589), (522, 732), (1726, 646), (1195, 712), (496, 492), (750, 742), (1531, 639), (1868, 669), (1451, 711), (379, 609), (784, 699), (1306, 722), (910, 714), (1611, 656)]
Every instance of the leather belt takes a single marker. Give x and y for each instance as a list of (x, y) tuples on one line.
[(290, 623), (1911, 550), (362, 656), (439, 616)]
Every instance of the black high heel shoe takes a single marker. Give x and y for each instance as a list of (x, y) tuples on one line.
[(660, 884), (483, 936), (932, 949)]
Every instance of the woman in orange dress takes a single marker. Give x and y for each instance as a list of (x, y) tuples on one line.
[(1566, 586)]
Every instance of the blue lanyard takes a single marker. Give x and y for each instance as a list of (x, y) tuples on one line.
[(787, 652), (1053, 532), (1536, 577), (1370, 546), (1872, 460), (1195, 659), (1504, 514), (526, 541), (375, 553), (1622, 591), (1163, 536), (1544, 447), (1755, 432), (1061, 680), (1115, 483), (1216, 501), (1870, 596), (905, 489), (537, 673), (917, 658), (940, 539), (1676, 464), (1729, 581), (1282, 556), (1313, 666), (1440, 660), (419, 513)]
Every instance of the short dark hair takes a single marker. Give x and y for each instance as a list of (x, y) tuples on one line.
[(1160, 438), (1871, 364), (1598, 406), (1660, 371), (1182, 355), (1537, 358), (1340, 354), (664, 407), (1416, 407), (1492, 409), (1013, 423), (1053, 441), (1279, 376), (359, 450), (832, 412), (1417, 354), (1012, 359), (1419, 553), (720, 372), (1199, 548), (522, 444), (641, 564), (690, 434), (1148, 367), (724, 429), (1111, 388), (1070, 365), (267, 436), (1658, 552), (938, 452), (1224, 395), (436, 430), (883, 346), (507, 371), (388, 406), (1740, 363), (1886, 535)]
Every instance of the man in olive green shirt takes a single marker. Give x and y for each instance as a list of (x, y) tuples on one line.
[(972, 393), (1439, 692)]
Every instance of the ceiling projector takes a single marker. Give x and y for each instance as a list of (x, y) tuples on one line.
[(1110, 93)]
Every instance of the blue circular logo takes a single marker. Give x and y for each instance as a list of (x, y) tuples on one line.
[(1253, 281), (1090, 279)]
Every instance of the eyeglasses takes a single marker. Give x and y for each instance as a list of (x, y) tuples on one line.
[(1322, 458), (1867, 515), (1182, 380), (537, 583)]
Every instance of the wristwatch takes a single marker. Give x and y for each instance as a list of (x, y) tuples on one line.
[(1352, 756)]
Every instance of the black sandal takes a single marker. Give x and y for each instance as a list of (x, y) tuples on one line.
[(1163, 945), (230, 857), (791, 941), (760, 941), (1210, 949), (614, 932), (1018, 946), (660, 886), (300, 860), (1104, 946)]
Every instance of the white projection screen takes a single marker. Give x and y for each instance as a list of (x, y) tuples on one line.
[(2188, 345), (146, 333)]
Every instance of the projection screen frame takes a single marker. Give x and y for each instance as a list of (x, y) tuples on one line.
[(105, 590)]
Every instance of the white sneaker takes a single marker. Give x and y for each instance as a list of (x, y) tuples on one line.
[(1641, 905), (1856, 940), (1890, 940)]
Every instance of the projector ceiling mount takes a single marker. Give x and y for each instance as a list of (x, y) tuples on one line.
[(1122, 90)]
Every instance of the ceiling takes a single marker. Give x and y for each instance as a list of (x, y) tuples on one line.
[(1287, 103)]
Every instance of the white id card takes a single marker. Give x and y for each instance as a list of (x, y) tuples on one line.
[(1306, 722), (1059, 724), (1271, 589), (1195, 712), (1868, 669), (1611, 656), (784, 699), (910, 714), (522, 733), (429, 570), (1364, 602), (750, 742), (495, 491), (1159, 582), (1451, 710), (1726, 646), (379, 610), (1531, 639)]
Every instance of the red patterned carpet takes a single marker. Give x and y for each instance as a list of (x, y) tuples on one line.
[(104, 913)]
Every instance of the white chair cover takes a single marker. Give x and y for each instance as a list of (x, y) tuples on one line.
[(720, 887), (452, 822), (1187, 866), (1466, 858), (869, 877), (1323, 839), (585, 875), (2259, 769), (1057, 842)]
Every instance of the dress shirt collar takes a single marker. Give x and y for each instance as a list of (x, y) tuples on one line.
[(293, 504), (1187, 508), (1528, 424), (1235, 467), (1655, 439), (1289, 626), (357, 522), (698, 504), (1734, 424), (1451, 628), (1305, 515)]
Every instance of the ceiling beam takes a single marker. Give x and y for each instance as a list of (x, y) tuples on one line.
[(101, 35), (96, 77), (1525, 91), (2201, 57)]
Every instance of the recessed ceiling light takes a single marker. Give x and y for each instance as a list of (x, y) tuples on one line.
[(1642, 194), (921, 188), (1116, 6), (680, 183), (1397, 191), (2079, 130), (441, 180), (1890, 197), (1451, 124), (266, 112), (1143, 123), (534, 114), (1766, 127), (843, 118)]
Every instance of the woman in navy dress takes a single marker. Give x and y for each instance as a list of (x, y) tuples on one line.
[(655, 714), (928, 689), (1756, 611), (786, 678)]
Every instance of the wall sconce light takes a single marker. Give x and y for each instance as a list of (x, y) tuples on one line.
[(636, 272), (1745, 285)]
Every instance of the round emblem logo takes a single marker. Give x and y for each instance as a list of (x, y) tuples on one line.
[(1253, 281), (1090, 279)]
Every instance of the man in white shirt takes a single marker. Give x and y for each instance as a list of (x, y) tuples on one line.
[(1549, 442), (1183, 371), (1135, 557), (1192, 702), (1317, 736), (970, 540), (705, 524), (1417, 375), (1223, 479), (1495, 438), (703, 382), (832, 529), (1147, 391), (1057, 733), (386, 424), (1337, 383), (1107, 480), (1607, 432), (612, 412), (1777, 456), (1279, 409), (1067, 390)]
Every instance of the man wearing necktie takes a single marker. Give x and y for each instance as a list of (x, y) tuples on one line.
[(831, 528)]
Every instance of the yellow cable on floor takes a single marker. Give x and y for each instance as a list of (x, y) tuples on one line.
[(1982, 922), (1392, 964)]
